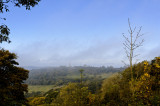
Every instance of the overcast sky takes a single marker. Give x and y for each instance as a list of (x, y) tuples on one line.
[(78, 32)]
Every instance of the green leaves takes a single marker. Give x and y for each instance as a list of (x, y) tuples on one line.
[(4, 34), (26, 3), (12, 87)]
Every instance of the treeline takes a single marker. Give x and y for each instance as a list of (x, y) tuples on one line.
[(63, 75), (115, 90)]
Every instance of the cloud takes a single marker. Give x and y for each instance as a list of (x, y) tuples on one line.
[(96, 52)]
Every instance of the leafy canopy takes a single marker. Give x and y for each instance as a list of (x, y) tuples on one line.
[(12, 87)]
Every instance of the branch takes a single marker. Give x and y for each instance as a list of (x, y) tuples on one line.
[(138, 45), (138, 35), (126, 38), (127, 46), (134, 29), (130, 31), (127, 53), (139, 31), (124, 63)]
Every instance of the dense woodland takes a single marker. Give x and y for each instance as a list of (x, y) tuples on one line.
[(63, 75)]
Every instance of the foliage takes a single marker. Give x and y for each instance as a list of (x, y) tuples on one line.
[(51, 95), (110, 91), (4, 33), (12, 87), (75, 95), (148, 86), (37, 101)]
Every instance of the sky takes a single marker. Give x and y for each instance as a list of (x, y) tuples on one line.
[(81, 32)]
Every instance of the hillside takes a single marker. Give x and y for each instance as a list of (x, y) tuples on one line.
[(62, 75)]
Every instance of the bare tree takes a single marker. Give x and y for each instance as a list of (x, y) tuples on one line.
[(131, 43)]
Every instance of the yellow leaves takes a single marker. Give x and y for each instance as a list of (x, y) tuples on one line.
[(145, 65), (84, 88), (143, 86), (73, 94), (157, 58), (157, 62), (157, 65), (91, 97), (38, 101), (148, 80), (146, 87), (147, 75)]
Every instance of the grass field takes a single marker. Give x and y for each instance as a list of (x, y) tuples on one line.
[(106, 75), (41, 88), (45, 88)]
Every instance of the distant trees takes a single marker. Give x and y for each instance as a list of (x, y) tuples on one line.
[(63, 75), (12, 87), (81, 72)]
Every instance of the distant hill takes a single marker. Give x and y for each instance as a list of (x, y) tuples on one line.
[(62, 75)]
